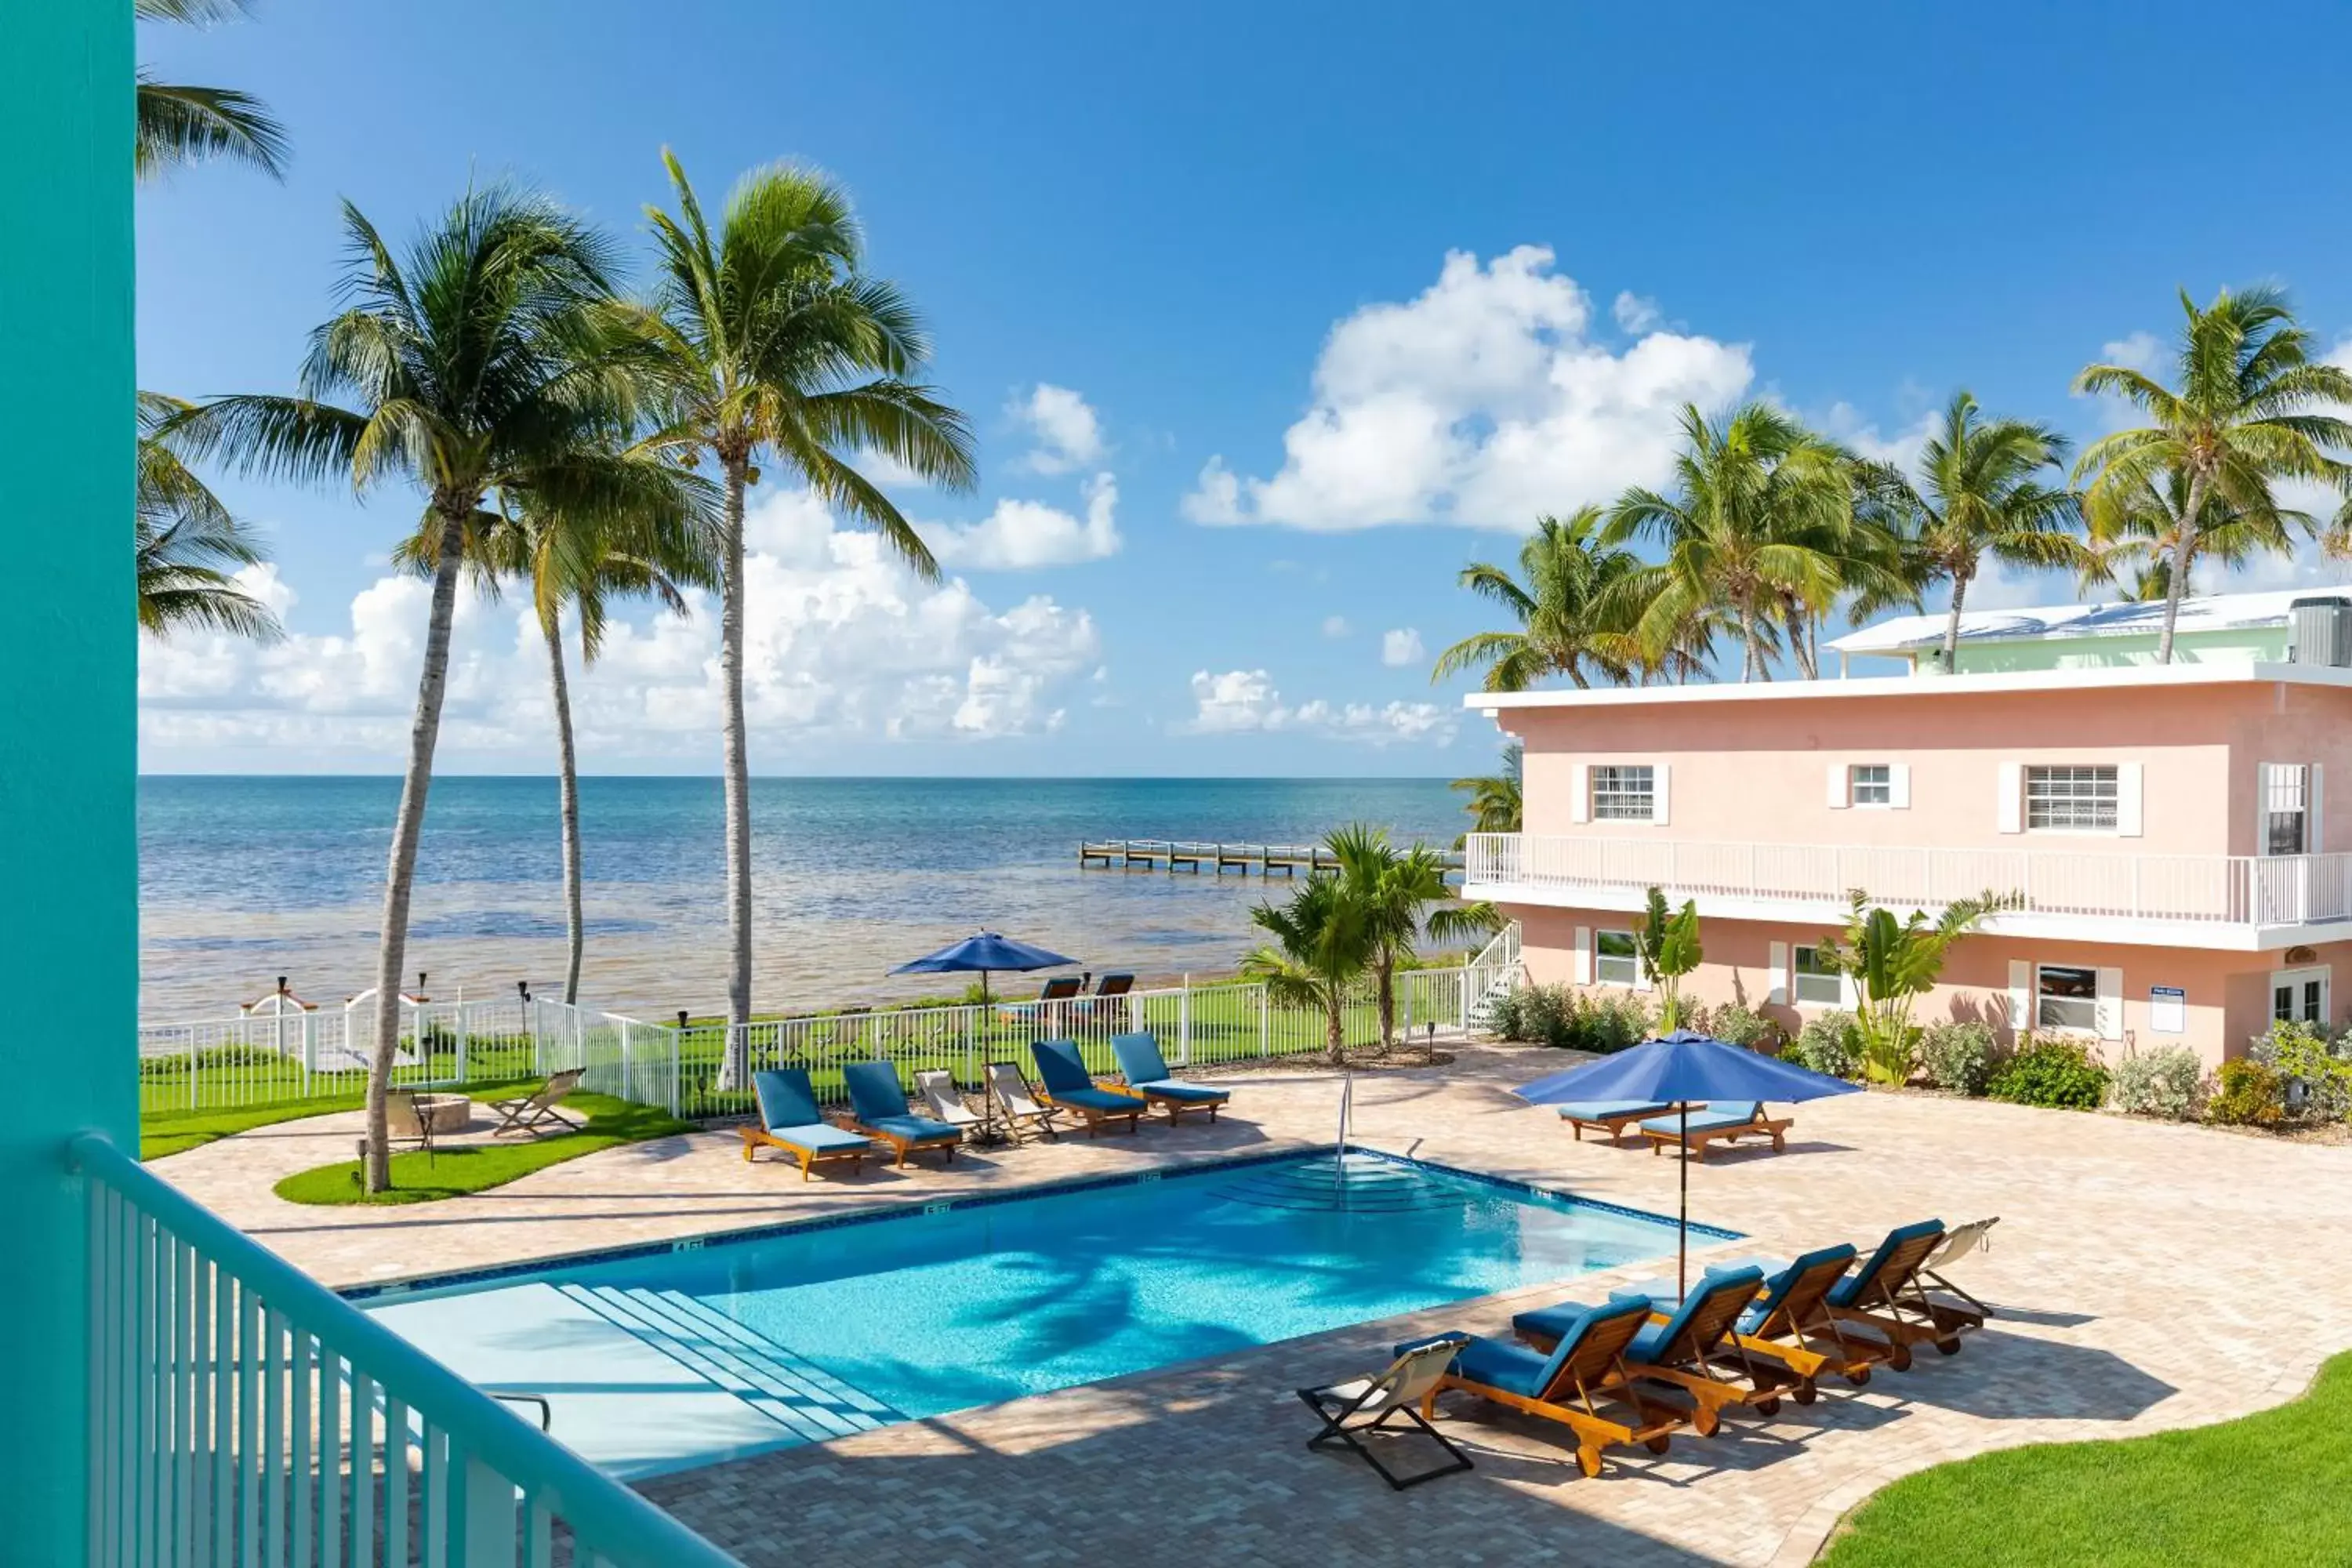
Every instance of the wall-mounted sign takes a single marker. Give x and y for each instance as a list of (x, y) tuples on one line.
[(2168, 1010), (2302, 955)]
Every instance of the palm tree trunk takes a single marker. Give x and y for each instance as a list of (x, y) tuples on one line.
[(1747, 659), (734, 1071), (1385, 973), (399, 873), (1952, 623), (2184, 546), (568, 794), (1335, 1025)]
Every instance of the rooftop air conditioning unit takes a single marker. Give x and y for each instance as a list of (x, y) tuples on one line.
[(2322, 631)]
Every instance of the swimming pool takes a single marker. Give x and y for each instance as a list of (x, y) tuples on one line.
[(688, 1353)]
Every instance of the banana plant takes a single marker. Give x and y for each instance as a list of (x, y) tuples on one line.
[(1666, 941), (1894, 963)]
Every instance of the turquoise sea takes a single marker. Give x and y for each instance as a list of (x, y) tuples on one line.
[(243, 880)]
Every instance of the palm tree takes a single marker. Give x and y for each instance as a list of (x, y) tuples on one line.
[(1323, 942), (188, 545), (1666, 941), (2252, 407), (476, 372), (1893, 964), (2140, 534), (773, 341), (182, 125), (1763, 509), (1495, 804), (1979, 496), (1392, 887), (1564, 577)]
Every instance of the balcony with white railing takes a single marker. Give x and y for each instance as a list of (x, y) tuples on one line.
[(2231, 900)]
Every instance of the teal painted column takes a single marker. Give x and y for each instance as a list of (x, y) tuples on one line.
[(68, 856)]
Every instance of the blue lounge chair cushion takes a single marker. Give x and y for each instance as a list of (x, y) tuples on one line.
[(1554, 1322), (1719, 1113), (785, 1097), (1518, 1369), (1060, 1067), (1099, 1099), (913, 1129), (1656, 1344), (1145, 1069), (1608, 1109), (1849, 1290), (1177, 1089), (875, 1092), (1777, 1285), (820, 1137)]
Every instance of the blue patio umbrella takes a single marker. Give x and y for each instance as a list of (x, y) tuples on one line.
[(981, 952), (1675, 1070)]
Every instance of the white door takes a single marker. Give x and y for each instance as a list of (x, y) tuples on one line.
[(2304, 995)]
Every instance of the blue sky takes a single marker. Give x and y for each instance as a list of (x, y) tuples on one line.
[(1277, 418)]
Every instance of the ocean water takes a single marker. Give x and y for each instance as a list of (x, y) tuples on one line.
[(243, 880)]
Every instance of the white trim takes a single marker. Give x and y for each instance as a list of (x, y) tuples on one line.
[(2130, 793), (1579, 791), (1640, 981), (2110, 1004), (2009, 799), (1778, 985), (1840, 774), (1898, 786), (1659, 773), (2020, 997), (1579, 962), (2245, 672)]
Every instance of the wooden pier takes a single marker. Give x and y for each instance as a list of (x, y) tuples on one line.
[(1197, 854)]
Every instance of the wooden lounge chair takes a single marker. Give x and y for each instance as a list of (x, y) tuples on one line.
[(1691, 1347), (1715, 1121), (1070, 1087), (1051, 1002), (1105, 1002), (1583, 1383), (1015, 1103), (1146, 1072), (1888, 1297), (1790, 1323), (878, 1108), (942, 1101), (1611, 1116), (528, 1114), (789, 1120), (1367, 1404)]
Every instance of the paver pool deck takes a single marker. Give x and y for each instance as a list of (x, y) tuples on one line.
[(2146, 1277)]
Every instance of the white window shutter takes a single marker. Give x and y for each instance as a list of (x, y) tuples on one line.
[(2129, 791), (2111, 1005), (1659, 773), (1898, 786), (1580, 797), (1847, 998), (1642, 979), (2011, 808), (1579, 967), (1837, 786), (2020, 996), (1778, 992), (2265, 784)]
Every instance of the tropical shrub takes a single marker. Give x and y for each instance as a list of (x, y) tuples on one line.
[(1893, 964), (1666, 941), (1506, 1014), (1612, 1023), (2058, 1074), (2251, 1095), (2158, 1083), (1958, 1056), (1736, 1023), (1830, 1042), (2315, 1073), (1546, 1014)]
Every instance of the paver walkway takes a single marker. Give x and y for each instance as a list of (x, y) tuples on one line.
[(2146, 1275)]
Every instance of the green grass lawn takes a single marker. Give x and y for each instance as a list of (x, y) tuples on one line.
[(2267, 1488), (162, 1133), (420, 1178)]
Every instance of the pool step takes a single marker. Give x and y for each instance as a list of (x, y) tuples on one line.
[(1355, 1183), (805, 1399)]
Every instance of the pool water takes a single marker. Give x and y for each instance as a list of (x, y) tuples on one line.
[(660, 1360)]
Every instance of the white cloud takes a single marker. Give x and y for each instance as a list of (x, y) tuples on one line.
[(1634, 313), (1022, 535), (1068, 435), (1844, 423), (1481, 401), (1335, 625), (1400, 648), (842, 641), (2137, 350), (1243, 701)]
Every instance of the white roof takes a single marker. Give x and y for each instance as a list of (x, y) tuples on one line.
[(2202, 613)]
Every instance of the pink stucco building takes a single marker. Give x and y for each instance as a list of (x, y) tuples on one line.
[(2167, 826)]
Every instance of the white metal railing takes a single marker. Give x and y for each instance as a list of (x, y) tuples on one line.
[(2237, 890), (1492, 973), (241, 1413)]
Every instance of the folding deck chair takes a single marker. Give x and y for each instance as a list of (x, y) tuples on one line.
[(1362, 1405)]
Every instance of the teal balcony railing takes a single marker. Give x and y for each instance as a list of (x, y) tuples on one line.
[(242, 1414)]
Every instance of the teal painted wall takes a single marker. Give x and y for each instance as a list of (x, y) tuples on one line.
[(2238, 644), (69, 870)]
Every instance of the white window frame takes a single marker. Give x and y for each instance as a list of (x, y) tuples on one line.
[(1883, 786), (2042, 1022), (1631, 958), (2296, 980), (2114, 827), (1799, 977), (1620, 790), (2287, 789)]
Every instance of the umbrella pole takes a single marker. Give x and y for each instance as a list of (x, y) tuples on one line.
[(1682, 1265)]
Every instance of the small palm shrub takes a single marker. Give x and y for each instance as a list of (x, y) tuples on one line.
[(2251, 1095), (2057, 1074), (2158, 1083), (1830, 1042), (1958, 1056)]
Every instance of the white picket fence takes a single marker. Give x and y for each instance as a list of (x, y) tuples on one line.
[(704, 1070)]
